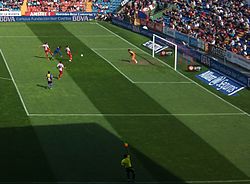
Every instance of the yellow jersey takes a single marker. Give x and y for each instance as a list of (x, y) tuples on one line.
[(49, 77), (126, 162)]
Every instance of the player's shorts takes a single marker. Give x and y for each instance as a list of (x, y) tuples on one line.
[(47, 51), (61, 72)]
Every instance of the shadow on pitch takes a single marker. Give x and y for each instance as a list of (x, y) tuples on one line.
[(42, 86), (81, 152), (147, 60), (40, 57), (125, 60)]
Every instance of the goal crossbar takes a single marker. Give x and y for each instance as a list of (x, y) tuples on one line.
[(170, 43)]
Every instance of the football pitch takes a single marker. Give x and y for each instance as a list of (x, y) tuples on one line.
[(178, 130)]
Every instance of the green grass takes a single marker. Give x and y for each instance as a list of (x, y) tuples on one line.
[(74, 132), (240, 101)]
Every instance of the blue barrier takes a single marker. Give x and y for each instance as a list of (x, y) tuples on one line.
[(199, 56), (193, 42), (182, 37)]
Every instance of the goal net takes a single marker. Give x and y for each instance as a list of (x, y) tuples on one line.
[(164, 47)]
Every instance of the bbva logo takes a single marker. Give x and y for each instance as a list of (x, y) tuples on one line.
[(7, 19), (80, 18)]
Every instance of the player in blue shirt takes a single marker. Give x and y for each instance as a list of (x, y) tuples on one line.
[(57, 51)]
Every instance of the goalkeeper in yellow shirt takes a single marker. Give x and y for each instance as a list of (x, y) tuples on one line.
[(126, 163)]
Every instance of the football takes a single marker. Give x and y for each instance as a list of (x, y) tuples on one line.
[(81, 55), (126, 145)]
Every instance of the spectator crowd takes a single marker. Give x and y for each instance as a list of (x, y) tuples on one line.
[(130, 10), (10, 5), (223, 23), (56, 5), (101, 6)]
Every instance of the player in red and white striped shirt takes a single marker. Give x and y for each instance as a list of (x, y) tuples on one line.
[(47, 50), (60, 67), (68, 51)]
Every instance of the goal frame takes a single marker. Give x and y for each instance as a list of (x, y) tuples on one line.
[(171, 43)]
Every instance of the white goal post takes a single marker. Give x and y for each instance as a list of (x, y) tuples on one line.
[(164, 42)]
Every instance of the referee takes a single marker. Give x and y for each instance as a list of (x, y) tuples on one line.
[(126, 163)]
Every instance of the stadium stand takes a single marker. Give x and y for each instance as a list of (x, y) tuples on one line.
[(56, 6), (98, 6), (222, 23), (10, 5), (105, 6)]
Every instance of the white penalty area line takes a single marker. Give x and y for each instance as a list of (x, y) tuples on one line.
[(12, 78), (133, 115), (139, 182), (4, 78), (118, 36)]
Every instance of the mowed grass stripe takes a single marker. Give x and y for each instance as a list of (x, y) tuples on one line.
[(111, 92)]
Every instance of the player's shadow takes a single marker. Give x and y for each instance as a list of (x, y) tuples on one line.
[(40, 57), (126, 60), (42, 86), (147, 60)]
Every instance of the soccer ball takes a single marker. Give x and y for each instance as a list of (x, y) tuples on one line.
[(126, 145), (81, 55)]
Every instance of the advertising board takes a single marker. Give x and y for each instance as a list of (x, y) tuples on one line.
[(238, 59), (78, 18), (220, 82), (10, 13)]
